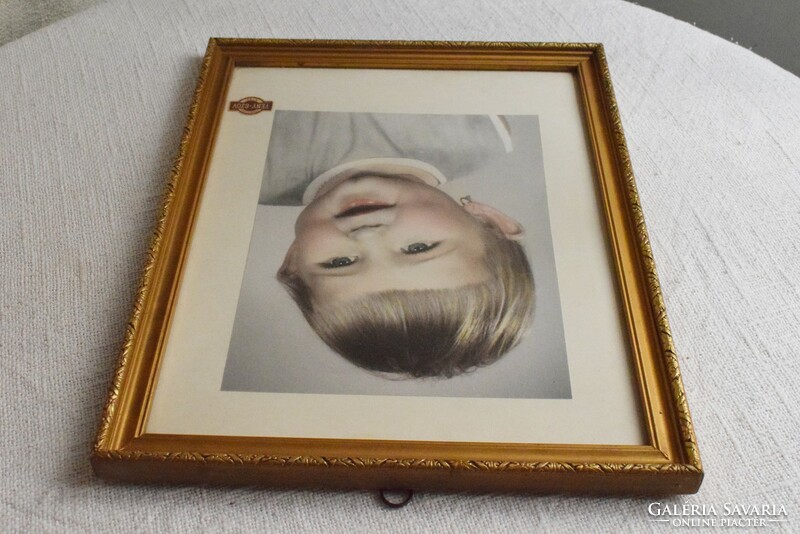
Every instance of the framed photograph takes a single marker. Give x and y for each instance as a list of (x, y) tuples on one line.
[(416, 265)]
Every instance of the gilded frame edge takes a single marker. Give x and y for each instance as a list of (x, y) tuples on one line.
[(112, 455), (653, 287)]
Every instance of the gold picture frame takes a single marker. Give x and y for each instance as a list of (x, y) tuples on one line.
[(667, 459)]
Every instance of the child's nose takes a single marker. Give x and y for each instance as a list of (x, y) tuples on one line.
[(367, 231)]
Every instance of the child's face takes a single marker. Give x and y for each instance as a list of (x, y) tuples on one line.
[(372, 234)]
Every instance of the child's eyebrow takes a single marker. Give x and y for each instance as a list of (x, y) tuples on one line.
[(437, 252), (341, 271)]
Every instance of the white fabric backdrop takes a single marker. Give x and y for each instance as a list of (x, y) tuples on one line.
[(92, 108)]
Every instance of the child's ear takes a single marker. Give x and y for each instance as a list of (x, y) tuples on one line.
[(288, 267), (510, 228)]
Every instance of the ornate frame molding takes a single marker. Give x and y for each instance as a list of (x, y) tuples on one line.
[(669, 464)]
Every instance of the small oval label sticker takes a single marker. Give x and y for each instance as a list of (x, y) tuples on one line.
[(250, 105)]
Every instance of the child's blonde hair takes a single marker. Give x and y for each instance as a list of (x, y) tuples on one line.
[(435, 332)]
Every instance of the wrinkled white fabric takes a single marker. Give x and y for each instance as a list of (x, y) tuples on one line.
[(20, 17), (92, 109)]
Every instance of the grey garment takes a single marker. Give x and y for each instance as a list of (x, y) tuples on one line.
[(305, 144)]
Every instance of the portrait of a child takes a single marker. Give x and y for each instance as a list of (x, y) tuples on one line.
[(389, 265)]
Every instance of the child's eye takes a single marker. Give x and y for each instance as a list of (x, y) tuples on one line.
[(419, 248), (335, 263)]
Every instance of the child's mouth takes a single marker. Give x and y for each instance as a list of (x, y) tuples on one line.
[(360, 207)]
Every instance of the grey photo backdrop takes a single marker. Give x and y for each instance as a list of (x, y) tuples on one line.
[(272, 348)]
